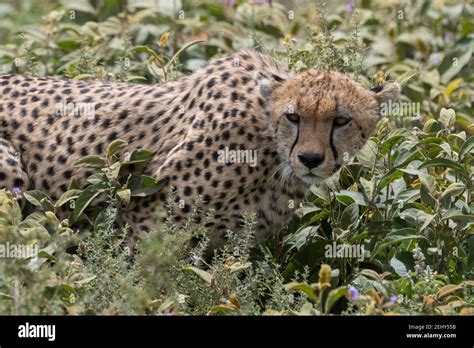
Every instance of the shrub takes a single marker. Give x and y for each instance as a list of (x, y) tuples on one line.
[(402, 206)]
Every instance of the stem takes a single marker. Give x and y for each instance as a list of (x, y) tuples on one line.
[(331, 211), (369, 206), (16, 296), (389, 166)]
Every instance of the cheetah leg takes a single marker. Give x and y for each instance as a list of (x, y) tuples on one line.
[(12, 171)]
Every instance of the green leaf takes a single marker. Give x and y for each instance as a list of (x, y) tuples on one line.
[(417, 217), (46, 255), (368, 153), (239, 266), (224, 308), (105, 219), (207, 277), (402, 263), (180, 51), (453, 190), (389, 177), (358, 237), (394, 137), (113, 171), (459, 138), (155, 70), (368, 186), (68, 289), (37, 233), (447, 117), (67, 196), (307, 208), (42, 256), (457, 63), (10, 214), (406, 196), (430, 77), (370, 273), (53, 219), (444, 162), (350, 216), (406, 156), (470, 248), (395, 237), (124, 194), (432, 125), (82, 6), (333, 296), (115, 146), (315, 218), (84, 200), (139, 156), (457, 215), (34, 219), (150, 52), (466, 147), (142, 185), (364, 284), (348, 197), (92, 161), (303, 236), (39, 199), (84, 281), (98, 179), (74, 184), (302, 287), (427, 190), (448, 290), (430, 140), (425, 7)]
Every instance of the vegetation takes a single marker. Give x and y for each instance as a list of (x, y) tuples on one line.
[(405, 201)]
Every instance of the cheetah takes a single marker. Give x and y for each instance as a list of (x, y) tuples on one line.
[(295, 131)]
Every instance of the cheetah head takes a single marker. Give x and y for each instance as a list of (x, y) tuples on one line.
[(323, 118)]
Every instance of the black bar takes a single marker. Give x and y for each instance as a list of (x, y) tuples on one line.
[(291, 331)]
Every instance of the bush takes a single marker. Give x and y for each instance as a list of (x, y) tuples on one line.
[(392, 233)]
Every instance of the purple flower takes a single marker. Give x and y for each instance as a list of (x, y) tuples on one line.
[(230, 2), (352, 293), (16, 191), (447, 36), (436, 59), (391, 302), (350, 6)]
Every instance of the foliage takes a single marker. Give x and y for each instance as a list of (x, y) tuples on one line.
[(391, 234), (405, 201)]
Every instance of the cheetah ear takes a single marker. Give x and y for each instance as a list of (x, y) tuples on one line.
[(386, 94), (266, 84)]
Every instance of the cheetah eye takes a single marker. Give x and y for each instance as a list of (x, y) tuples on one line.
[(293, 118), (341, 121)]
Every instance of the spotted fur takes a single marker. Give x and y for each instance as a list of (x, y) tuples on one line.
[(241, 102)]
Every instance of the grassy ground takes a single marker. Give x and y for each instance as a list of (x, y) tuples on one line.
[(405, 200)]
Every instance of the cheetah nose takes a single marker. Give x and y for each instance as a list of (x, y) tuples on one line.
[(311, 160)]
